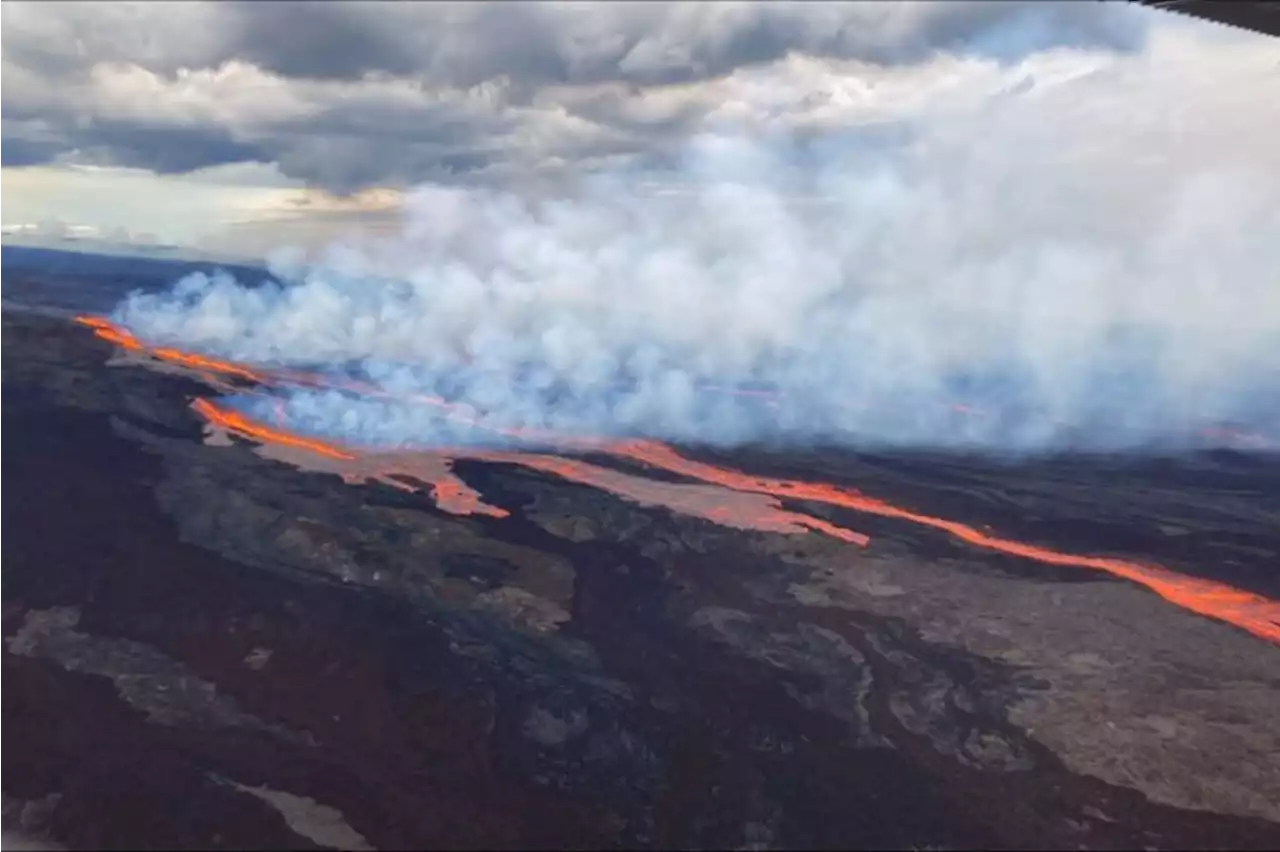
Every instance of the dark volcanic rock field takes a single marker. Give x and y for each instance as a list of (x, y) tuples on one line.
[(206, 648)]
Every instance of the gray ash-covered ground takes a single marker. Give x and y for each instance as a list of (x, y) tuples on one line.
[(205, 648)]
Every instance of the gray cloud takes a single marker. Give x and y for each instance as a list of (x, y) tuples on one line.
[(346, 94), (463, 44), (643, 43), (30, 143), (164, 149)]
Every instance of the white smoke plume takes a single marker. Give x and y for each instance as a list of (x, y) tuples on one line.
[(1083, 246)]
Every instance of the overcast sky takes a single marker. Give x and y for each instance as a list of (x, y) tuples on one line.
[(191, 122)]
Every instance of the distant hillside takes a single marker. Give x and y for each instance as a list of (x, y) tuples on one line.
[(94, 264), (95, 282)]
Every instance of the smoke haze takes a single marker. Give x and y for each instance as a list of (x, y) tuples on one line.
[(1081, 246)]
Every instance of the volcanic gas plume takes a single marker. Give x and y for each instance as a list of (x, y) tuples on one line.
[(718, 494), (744, 508), (1082, 246)]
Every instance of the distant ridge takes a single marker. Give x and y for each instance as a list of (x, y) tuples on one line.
[(94, 283), (92, 264)]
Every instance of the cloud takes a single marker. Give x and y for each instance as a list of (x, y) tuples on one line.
[(1083, 246), (464, 44), (347, 95), (28, 143), (673, 43)]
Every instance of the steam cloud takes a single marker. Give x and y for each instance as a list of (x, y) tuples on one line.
[(1083, 247)]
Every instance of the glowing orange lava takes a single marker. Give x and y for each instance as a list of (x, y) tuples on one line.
[(241, 425), (735, 509), (449, 492), (399, 470), (1255, 613), (698, 500), (123, 338)]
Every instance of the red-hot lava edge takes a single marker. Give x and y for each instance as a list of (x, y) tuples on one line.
[(1257, 614)]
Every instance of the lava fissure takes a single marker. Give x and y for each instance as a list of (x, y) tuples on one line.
[(756, 503)]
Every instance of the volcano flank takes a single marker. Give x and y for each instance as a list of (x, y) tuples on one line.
[(535, 639)]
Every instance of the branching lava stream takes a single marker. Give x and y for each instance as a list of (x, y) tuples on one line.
[(720, 494)]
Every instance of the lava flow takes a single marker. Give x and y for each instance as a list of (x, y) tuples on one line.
[(395, 469), (235, 422), (125, 339), (745, 511), (1255, 613), (723, 506), (207, 367)]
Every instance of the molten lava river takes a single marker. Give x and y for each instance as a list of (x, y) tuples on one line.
[(719, 494)]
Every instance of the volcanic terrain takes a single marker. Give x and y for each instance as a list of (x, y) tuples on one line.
[(222, 633)]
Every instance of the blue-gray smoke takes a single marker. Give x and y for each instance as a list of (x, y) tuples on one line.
[(1084, 259)]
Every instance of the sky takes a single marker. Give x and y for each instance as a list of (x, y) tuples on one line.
[(238, 127)]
